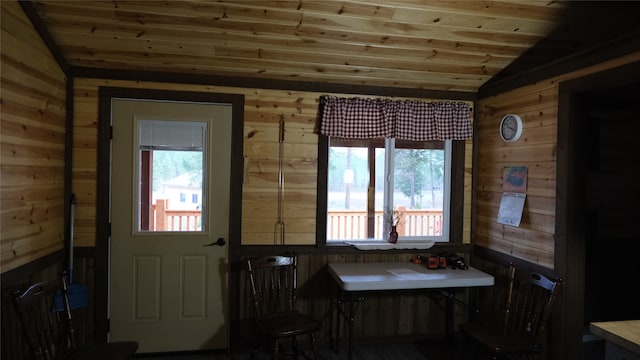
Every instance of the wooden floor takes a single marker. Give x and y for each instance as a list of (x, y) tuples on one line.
[(418, 350), (428, 349)]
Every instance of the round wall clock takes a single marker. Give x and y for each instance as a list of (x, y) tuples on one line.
[(510, 127)]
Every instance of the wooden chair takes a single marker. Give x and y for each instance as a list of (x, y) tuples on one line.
[(45, 317), (517, 331), (273, 282)]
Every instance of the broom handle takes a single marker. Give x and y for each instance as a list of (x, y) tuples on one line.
[(72, 211)]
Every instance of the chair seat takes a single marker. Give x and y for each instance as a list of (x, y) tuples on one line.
[(287, 324), (497, 341), (122, 350)]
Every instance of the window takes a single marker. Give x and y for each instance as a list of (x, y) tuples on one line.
[(382, 158), (171, 159), (360, 194)]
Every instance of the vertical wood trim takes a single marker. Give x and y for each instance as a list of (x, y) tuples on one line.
[(456, 211), (237, 102), (474, 175), (102, 215), (321, 205), (68, 169)]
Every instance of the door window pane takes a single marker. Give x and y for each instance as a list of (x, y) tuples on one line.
[(171, 165)]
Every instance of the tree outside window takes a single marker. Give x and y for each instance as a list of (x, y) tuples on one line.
[(356, 200)]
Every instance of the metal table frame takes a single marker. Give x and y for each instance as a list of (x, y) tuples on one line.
[(356, 280)]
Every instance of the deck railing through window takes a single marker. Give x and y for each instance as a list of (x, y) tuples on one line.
[(341, 225), (351, 224), (164, 219)]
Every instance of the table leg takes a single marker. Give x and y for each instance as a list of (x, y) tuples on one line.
[(448, 313), (350, 317), (355, 300), (449, 300), (472, 307), (338, 310), (351, 323)]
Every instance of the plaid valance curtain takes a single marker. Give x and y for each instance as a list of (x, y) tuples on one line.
[(363, 118)]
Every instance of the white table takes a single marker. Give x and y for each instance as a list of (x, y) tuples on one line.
[(622, 338), (356, 279)]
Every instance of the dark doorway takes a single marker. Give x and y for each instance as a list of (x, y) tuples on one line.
[(597, 201), (612, 199)]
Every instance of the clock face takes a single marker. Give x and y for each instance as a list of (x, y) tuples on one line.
[(510, 127)]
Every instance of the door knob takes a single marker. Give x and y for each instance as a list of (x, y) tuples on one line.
[(219, 242)]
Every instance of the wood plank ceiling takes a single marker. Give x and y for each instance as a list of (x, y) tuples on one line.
[(429, 44)]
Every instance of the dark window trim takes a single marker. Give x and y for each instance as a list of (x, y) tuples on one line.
[(146, 188), (321, 205), (456, 211)]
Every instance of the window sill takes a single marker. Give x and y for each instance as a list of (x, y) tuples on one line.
[(400, 245)]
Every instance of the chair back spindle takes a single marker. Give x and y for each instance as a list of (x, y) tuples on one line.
[(45, 318), (529, 301), (43, 324), (273, 282)]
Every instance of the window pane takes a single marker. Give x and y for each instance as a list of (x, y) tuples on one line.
[(171, 171), (418, 191), (175, 174), (348, 181), (379, 193)]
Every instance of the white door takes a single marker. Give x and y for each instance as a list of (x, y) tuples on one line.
[(168, 290)]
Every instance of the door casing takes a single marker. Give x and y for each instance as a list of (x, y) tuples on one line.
[(168, 285), (567, 321), (105, 94)]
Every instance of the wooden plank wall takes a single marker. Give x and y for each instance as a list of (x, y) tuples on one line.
[(33, 144), (32, 172), (537, 104), (33, 103), (263, 111), (33, 118)]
